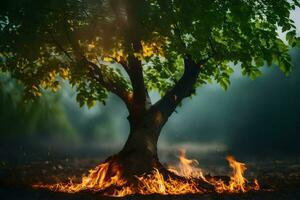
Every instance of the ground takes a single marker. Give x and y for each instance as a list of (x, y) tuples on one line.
[(279, 178)]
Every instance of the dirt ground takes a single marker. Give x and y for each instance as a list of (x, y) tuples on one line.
[(279, 178)]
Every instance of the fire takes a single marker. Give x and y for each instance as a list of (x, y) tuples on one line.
[(107, 178), (237, 183), (97, 180), (187, 168), (237, 180), (155, 183)]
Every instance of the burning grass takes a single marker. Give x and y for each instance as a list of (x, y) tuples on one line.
[(108, 179)]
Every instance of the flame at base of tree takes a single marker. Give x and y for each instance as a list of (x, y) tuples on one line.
[(107, 178)]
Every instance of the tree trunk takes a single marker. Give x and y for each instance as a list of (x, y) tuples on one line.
[(139, 154)]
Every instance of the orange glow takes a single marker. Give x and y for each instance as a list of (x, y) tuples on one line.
[(107, 178), (186, 167), (148, 50), (237, 183), (155, 183)]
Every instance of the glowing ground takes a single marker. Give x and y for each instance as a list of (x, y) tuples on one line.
[(18, 173)]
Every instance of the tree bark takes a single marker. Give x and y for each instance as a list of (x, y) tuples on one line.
[(139, 154)]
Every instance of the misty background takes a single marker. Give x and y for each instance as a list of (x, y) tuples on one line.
[(259, 118), (254, 118)]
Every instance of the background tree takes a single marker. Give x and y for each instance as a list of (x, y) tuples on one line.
[(131, 47)]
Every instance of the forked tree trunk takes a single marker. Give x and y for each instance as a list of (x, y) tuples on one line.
[(139, 154)]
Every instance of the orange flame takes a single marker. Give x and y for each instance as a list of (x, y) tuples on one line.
[(237, 183), (186, 167), (108, 175), (155, 183), (97, 180)]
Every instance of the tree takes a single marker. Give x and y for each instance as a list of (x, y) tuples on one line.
[(131, 47)]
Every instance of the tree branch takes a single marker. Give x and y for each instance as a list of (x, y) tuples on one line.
[(111, 86), (96, 72), (140, 93), (60, 47), (185, 87), (141, 99)]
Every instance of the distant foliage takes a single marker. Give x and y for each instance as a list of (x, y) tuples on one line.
[(40, 117), (42, 42)]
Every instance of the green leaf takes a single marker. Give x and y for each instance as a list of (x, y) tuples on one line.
[(224, 82), (298, 42), (285, 65), (255, 73), (259, 61), (91, 102), (291, 36)]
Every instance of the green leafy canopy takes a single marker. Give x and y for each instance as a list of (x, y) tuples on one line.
[(42, 42)]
